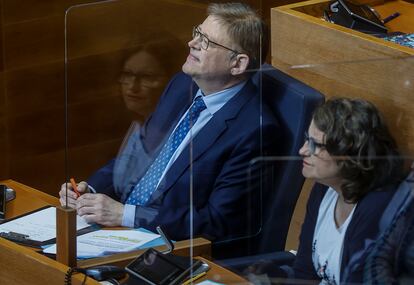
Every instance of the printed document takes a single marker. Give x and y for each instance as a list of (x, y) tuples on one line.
[(39, 226), (104, 242)]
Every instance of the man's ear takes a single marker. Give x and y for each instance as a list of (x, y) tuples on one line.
[(240, 63)]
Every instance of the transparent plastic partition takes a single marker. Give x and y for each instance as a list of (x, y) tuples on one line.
[(119, 57), (347, 148), (360, 155)]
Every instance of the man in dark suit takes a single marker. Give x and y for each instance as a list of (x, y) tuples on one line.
[(207, 128)]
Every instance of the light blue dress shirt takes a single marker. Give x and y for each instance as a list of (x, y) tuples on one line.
[(214, 102)]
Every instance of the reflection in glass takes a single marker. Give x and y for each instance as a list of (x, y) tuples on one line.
[(146, 71), (192, 173), (391, 259), (357, 167)]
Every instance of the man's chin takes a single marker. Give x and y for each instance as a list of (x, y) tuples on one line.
[(187, 69)]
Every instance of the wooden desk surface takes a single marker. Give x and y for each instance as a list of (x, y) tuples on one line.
[(403, 23), (22, 265), (27, 199)]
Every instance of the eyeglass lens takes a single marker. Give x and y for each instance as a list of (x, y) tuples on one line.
[(312, 145), (146, 79), (202, 38)]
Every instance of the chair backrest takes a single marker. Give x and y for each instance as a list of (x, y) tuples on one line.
[(402, 196), (292, 103)]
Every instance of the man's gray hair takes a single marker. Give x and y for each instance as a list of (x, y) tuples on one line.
[(245, 28)]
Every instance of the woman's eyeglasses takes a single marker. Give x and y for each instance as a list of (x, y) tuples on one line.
[(145, 79), (312, 144)]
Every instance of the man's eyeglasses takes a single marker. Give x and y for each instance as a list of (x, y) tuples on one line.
[(205, 41), (312, 145)]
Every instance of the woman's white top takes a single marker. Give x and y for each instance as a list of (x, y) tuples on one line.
[(328, 240)]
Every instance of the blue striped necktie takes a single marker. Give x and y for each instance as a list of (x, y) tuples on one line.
[(148, 183)]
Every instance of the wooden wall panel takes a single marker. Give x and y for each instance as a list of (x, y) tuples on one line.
[(27, 10), (34, 42), (36, 133), (4, 171), (2, 97), (100, 29), (2, 40), (32, 93), (50, 167), (35, 89), (98, 77)]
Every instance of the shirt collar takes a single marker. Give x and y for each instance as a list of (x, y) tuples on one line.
[(216, 100)]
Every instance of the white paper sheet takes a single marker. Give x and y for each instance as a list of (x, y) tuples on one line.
[(209, 282), (101, 242), (39, 226)]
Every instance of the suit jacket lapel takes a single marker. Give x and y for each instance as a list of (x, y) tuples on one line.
[(161, 123), (164, 119), (205, 138)]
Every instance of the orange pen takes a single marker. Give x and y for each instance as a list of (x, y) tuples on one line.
[(74, 186)]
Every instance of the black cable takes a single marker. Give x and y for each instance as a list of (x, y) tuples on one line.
[(68, 276), (70, 272)]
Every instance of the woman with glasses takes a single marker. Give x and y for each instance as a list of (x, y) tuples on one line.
[(147, 70), (350, 153)]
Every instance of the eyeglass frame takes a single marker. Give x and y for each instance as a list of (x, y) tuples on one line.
[(198, 33), (127, 77), (312, 144)]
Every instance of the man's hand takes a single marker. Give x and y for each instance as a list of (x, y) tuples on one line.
[(72, 196), (99, 208)]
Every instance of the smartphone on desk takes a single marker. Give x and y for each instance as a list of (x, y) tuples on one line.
[(155, 268)]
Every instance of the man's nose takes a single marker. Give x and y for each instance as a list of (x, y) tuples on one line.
[(304, 150), (194, 43)]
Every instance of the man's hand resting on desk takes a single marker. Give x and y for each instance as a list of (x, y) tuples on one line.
[(72, 196), (99, 208)]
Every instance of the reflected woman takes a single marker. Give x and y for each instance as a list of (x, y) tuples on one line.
[(146, 71), (145, 74), (349, 151)]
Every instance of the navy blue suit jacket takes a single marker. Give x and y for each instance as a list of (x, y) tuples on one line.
[(226, 199)]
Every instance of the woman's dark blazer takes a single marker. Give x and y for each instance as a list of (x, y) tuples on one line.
[(363, 226)]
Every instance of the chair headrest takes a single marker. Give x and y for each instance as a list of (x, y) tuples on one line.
[(291, 101), (403, 195)]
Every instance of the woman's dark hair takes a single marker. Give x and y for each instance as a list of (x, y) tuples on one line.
[(356, 135), (165, 47)]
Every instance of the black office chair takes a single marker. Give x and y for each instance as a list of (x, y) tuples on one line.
[(293, 103)]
